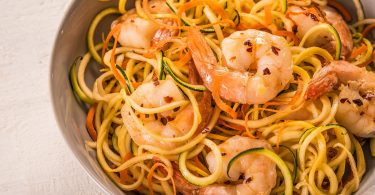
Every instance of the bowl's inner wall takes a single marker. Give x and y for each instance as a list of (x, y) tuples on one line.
[(71, 115)]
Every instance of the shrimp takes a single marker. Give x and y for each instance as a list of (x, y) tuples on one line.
[(176, 123), (253, 173), (173, 123), (259, 172), (204, 99), (356, 109), (306, 18), (138, 32), (258, 65), (336, 20), (163, 33)]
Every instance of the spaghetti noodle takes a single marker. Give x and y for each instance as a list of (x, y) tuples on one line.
[(157, 128)]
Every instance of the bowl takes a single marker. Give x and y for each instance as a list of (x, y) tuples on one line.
[(71, 115)]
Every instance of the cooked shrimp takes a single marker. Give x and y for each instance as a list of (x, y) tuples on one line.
[(138, 32), (176, 122), (135, 31), (338, 72), (336, 20), (258, 172), (306, 18), (259, 65), (150, 95), (356, 110), (160, 7)]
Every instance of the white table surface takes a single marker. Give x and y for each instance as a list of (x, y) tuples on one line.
[(34, 158)]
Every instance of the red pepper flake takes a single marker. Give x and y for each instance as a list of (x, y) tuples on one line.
[(266, 71), (313, 17), (248, 43), (170, 118), (275, 50), (295, 29), (358, 102), (362, 113), (164, 121), (176, 109), (205, 130), (168, 99), (343, 100), (248, 180), (223, 154)]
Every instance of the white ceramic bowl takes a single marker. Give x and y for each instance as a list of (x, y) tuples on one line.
[(71, 42)]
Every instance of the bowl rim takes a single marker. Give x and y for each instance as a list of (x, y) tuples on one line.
[(67, 11)]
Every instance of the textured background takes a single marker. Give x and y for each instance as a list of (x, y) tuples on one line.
[(34, 158)]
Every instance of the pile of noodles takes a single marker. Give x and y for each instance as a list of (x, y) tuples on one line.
[(322, 157)]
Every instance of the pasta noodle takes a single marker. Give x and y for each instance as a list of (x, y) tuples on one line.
[(321, 156)]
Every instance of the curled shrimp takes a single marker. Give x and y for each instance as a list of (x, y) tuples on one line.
[(305, 18), (169, 124), (259, 171), (258, 65), (138, 32), (251, 174), (356, 109)]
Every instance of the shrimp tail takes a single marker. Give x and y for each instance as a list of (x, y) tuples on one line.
[(323, 83), (332, 75), (204, 98), (182, 185), (163, 34), (203, 56)]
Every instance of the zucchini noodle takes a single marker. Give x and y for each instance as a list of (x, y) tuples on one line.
[(160, 127)]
